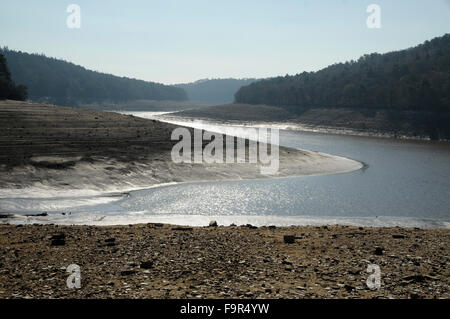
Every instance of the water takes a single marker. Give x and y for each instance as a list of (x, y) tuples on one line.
[(404, 183)]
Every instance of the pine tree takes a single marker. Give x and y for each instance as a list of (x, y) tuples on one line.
[(8, 90)]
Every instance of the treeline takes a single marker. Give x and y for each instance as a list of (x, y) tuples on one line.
[(8, 89), (416, 79), (214, 91), (56, 81)]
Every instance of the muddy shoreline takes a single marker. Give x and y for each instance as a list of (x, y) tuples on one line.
[(340, 121), (299, 126), (55, 148)]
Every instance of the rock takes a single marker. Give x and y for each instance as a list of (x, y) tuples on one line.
[(58, 239), (127, 272), (147, 264), (182, 228), (286, 262), (250, 226), (58, 236), (110, 242), (213, 223), (289, 239), (418, 278), (378, 251), (354, 271), (58, 242), (349, 288), (398, 236)]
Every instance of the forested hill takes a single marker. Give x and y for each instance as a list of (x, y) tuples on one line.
[(414, 79), (56, 81), (214, 91)]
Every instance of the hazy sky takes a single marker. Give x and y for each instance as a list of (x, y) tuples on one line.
[(182, 41)]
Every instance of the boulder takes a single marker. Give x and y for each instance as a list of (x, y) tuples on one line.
[(289, 239), (58, 239), (213, 223), (58, 236), (58, 242), (147, 264), (182, 228), (378, 251)]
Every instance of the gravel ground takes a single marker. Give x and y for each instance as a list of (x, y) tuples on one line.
[(166, 261)]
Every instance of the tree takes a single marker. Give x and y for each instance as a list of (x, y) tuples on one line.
[(8, 89)]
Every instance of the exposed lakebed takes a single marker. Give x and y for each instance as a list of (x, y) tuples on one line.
[(404, 183)]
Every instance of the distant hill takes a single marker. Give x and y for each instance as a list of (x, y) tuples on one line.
[(8, 89), (56, 81), (214, 91), (416, 79)]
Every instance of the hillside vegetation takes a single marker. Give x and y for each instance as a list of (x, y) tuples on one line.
[(412, 79), (56, 81)]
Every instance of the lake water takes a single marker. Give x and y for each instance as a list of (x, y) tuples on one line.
[(404, 183)]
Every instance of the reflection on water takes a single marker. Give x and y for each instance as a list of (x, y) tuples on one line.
[(404, 183)]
